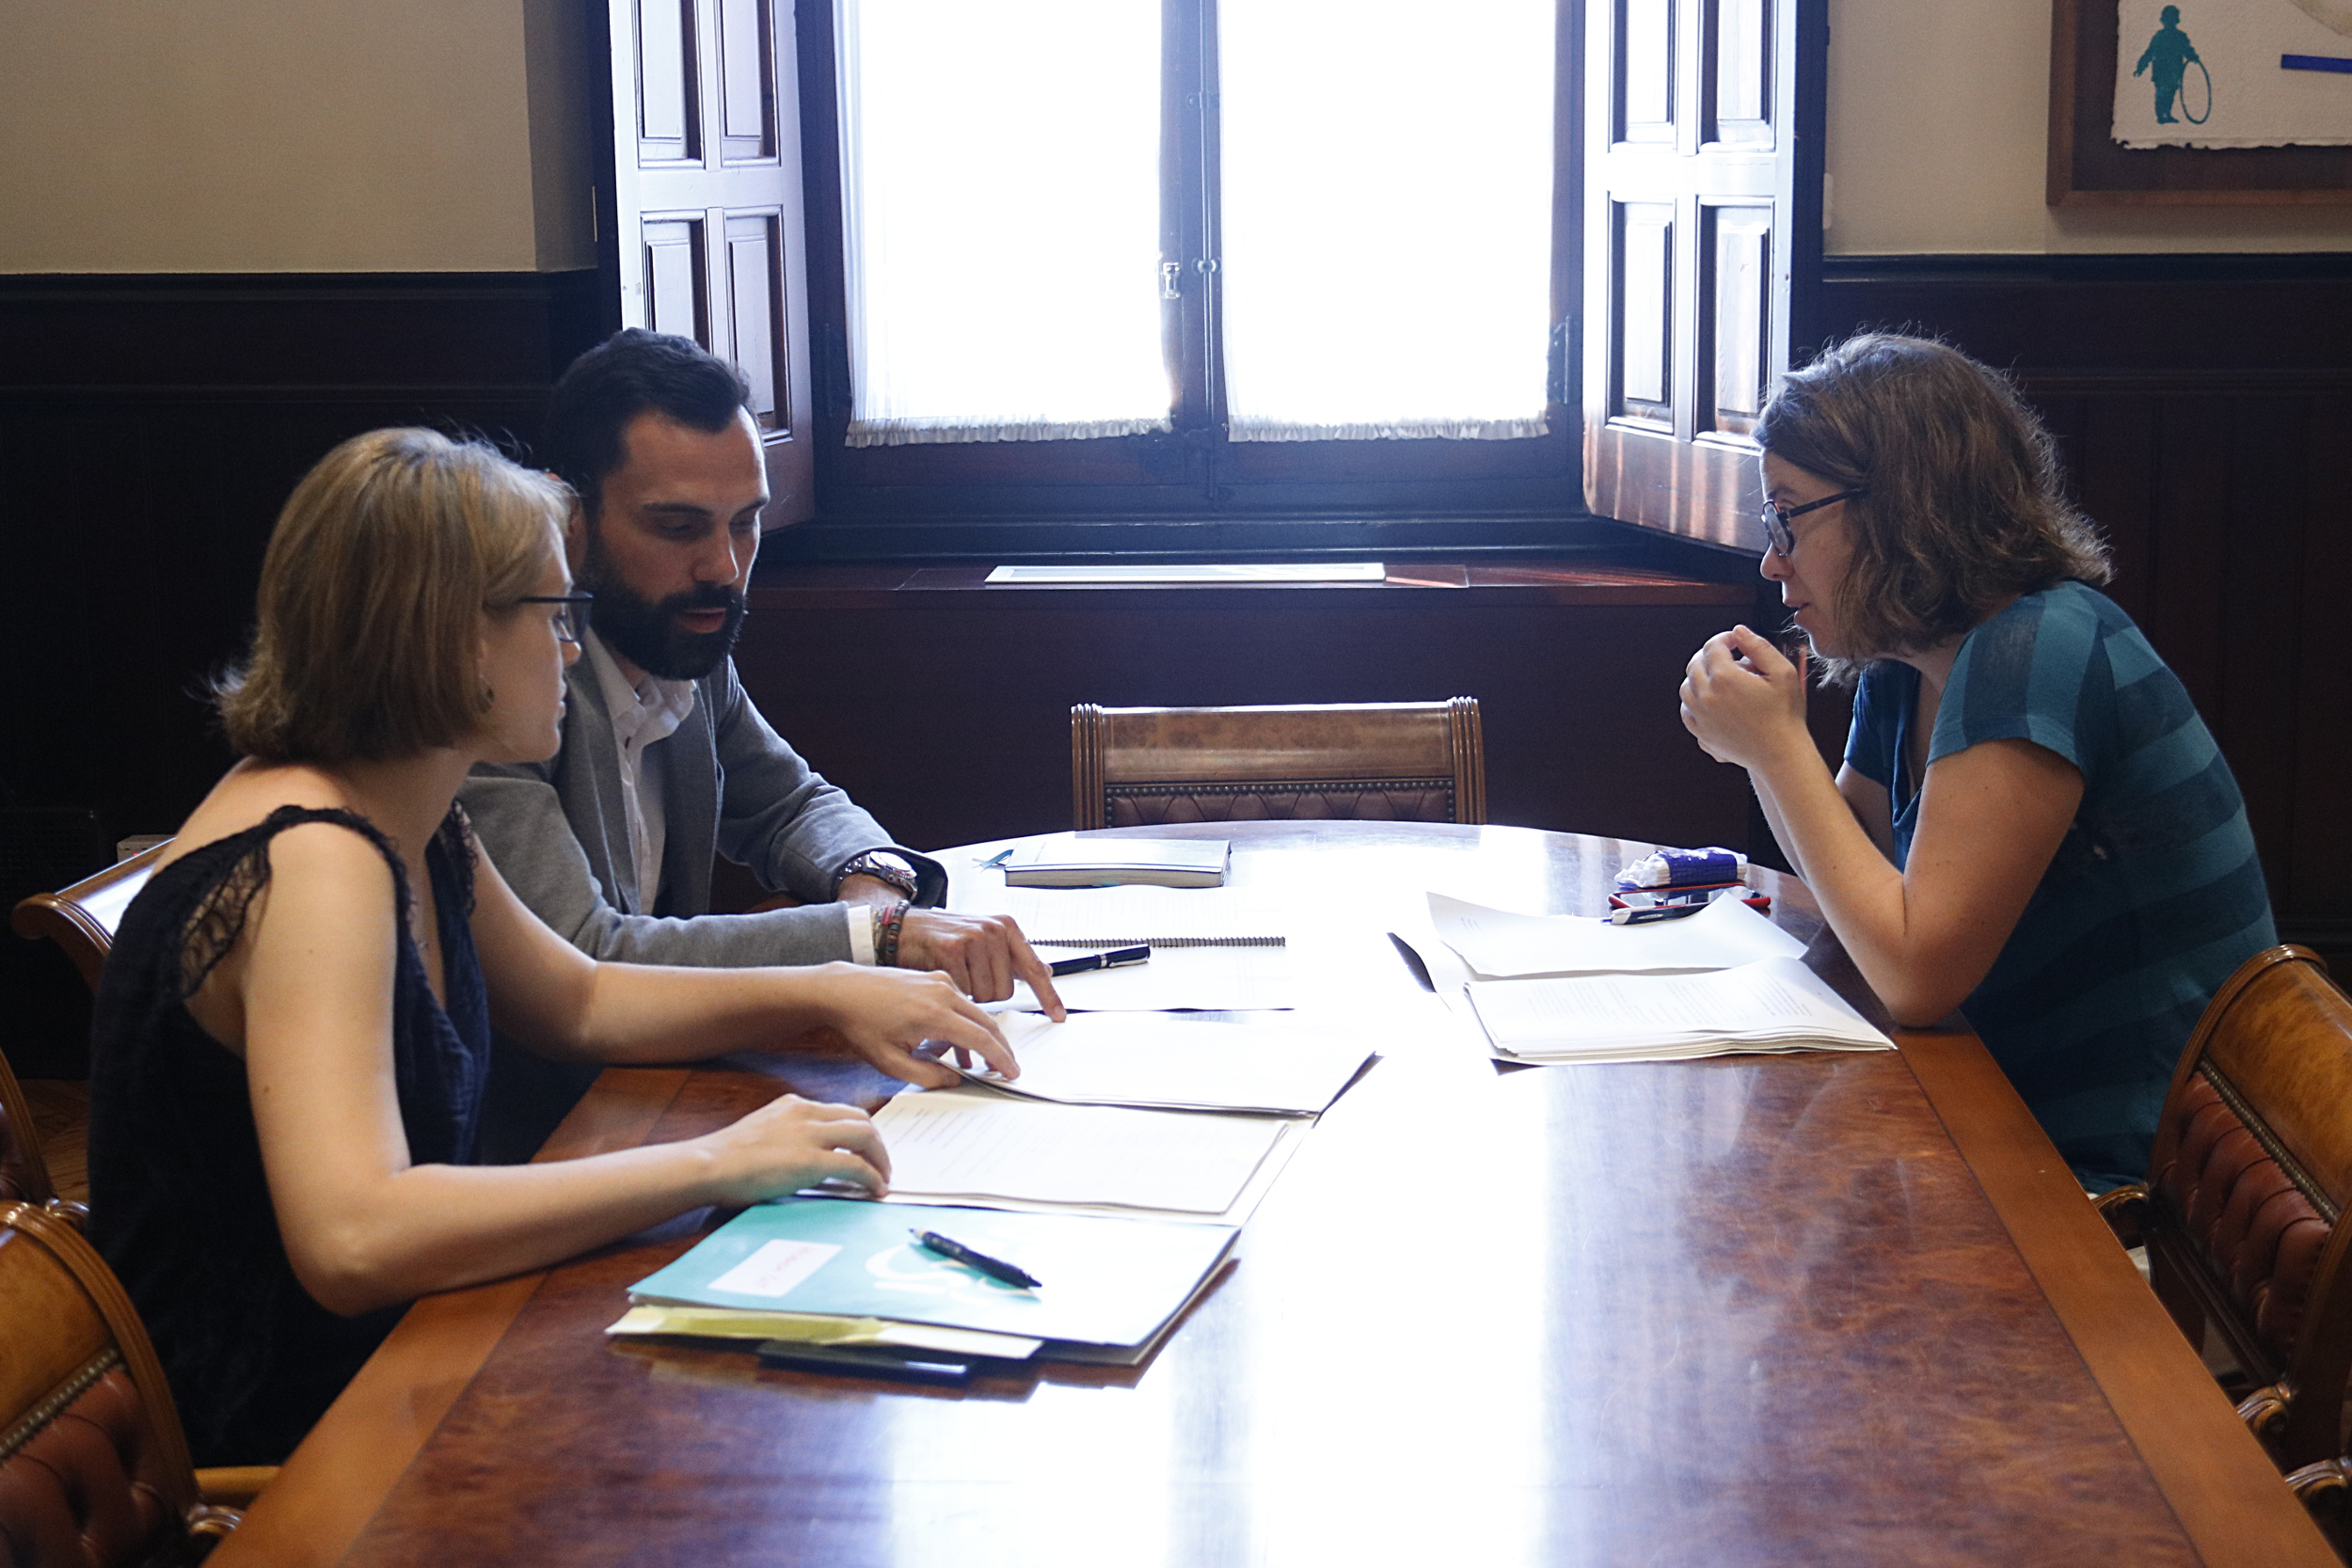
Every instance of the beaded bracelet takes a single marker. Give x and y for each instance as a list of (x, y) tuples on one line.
[(889, 921)]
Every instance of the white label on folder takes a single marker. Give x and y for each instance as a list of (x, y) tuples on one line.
[(775, 1268)]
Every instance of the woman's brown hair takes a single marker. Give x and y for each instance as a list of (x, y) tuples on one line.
[(1965, 507), (377, 575)]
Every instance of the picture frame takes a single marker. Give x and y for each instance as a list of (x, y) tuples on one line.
[(2087, 169)]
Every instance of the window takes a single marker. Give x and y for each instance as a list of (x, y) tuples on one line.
[(1108, 264)]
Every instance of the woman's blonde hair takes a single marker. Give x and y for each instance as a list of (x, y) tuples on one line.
[(372, 591), (1966, 506)]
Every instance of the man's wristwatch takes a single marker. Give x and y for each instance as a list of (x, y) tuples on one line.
[(882, 867)]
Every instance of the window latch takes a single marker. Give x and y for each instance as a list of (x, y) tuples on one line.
[(1169, 273)]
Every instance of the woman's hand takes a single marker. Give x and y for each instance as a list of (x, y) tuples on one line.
[(1744, 699), (792, 1143), (886, 1013)]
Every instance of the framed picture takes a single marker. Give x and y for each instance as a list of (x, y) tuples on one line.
[(2283, 66)]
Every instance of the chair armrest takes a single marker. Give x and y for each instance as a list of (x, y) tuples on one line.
[(2125, 1210), (233, 1486)]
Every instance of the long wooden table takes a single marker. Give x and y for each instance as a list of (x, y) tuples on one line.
[(1800, 1309)]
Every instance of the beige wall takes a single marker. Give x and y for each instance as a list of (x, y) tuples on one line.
[(1938, 136), (290, 135), (449, 136)]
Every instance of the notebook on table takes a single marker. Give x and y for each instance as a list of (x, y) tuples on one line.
[(1105, 861)]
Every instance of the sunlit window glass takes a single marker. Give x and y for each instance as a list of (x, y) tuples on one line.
[(1001, 207), (1387, 246)]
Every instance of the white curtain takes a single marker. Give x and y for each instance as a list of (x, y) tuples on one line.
[(1001, 204), (1386, 247)]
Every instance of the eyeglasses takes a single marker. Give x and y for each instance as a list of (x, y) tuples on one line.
[(1777, 519), (571, 614)]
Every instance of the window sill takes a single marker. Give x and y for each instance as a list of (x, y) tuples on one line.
[(911, 586)]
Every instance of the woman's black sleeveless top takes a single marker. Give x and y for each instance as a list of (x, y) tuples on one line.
[(180, 1206)]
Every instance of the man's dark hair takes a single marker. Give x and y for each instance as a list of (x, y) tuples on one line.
[(631, 372)]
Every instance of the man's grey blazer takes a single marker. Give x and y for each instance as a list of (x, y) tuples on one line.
[(558, 834)]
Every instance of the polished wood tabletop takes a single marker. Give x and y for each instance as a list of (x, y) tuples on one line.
[(1813, 1308)]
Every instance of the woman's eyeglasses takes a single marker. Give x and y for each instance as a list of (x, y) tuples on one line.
[(571, 610), (1777, 519)]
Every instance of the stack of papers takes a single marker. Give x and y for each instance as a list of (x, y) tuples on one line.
[(1173, 1062), (1076, 862), (830, 1271), (973, 1145), (1773, 1005), (1498, 944)]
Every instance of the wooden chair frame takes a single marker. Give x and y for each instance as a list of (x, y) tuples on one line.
[(1091, 739), (2298, 1407), (79, 918), (207, 1502)]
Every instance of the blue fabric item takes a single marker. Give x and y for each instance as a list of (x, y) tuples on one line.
[(180, 1203), (2154, 896)]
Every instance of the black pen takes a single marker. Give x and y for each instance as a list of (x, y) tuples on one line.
[(1117, 957), (995, 1268), (1654, 913)]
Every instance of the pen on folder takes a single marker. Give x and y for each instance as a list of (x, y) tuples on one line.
[(1651, 915), (995, 1268), (1117, 957)]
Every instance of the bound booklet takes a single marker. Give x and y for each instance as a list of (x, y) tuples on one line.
[(1773, 1004), (1074, 862), (1109, 1284)]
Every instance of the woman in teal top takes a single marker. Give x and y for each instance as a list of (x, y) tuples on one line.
[(2032, 824)]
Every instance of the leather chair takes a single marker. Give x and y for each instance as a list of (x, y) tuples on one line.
[(81, 919), (24, 1173), (2250, 1172), (94, 1464), (1400, 762)]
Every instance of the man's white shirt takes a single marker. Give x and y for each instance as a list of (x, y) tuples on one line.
[(643, 717)]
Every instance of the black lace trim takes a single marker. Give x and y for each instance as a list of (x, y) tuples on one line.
[(219, 918)]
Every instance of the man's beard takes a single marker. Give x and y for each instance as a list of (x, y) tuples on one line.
[(646, 633)]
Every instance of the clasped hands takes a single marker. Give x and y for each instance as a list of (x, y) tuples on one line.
[(1744, 699)]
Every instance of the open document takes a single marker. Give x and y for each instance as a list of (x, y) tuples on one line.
[(1208, 979), (973, 1145), (1266, 1063), (1498, 944), (1061, 921), (1773, 1005)]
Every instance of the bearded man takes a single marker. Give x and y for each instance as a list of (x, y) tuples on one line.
[(665, 759)]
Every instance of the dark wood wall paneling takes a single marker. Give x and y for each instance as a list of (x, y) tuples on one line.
[(2203, 405), (944, 705), (151, 429)]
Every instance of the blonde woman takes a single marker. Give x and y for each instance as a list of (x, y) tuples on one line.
[(293, 1028), (2032, 824)]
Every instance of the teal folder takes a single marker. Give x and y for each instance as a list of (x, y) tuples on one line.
[(1105, 1281)]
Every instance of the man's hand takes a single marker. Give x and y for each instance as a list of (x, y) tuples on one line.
[(983, 953)]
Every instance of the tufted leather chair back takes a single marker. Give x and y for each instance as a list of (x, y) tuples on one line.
[(93, 1466), (1398, 762), (2250, 1171)]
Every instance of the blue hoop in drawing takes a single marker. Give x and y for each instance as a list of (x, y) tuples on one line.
[(2183, 94)]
